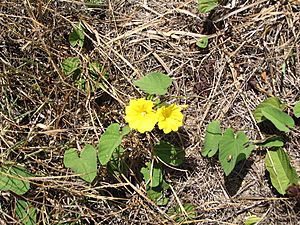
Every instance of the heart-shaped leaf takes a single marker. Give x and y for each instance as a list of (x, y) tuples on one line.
[(154, 83), (273, 102), (281, 120), (85, 165), (282, 174), (232, 149), (213, 136), (169, 153), (14, 179), (26, 212), (296, 109), (109, 141)]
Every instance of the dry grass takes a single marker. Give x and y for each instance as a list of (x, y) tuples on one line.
[(43, 113)]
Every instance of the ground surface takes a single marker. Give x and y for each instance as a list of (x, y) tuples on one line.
[(43, 112)]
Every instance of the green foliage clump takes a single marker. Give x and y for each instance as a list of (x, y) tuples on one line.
[(95, 78), (109, 148), (232, 147), (236, 147)]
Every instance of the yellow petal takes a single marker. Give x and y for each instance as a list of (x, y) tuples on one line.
[(140, 115), (169, 118)]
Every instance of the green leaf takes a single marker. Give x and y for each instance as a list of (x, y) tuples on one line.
[(125, 130), (296, 109), (116, 165), (169, 153), (205, 6), (14, 179), (282, 174), (76, 37), (252, 220), (157, 194), (85, 165), (71, 65), (26, 213), (152, 174), (232, 149), (202, 42), (154, 83), (273, 141), (109, 141), (179, 216), (273, 102), (281, 120), (213, 136)]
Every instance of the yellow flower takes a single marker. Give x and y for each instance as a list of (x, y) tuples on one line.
[(140, 115), (169, 118)]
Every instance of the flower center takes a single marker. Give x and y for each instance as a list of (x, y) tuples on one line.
[(143, 113), (167, 113)]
